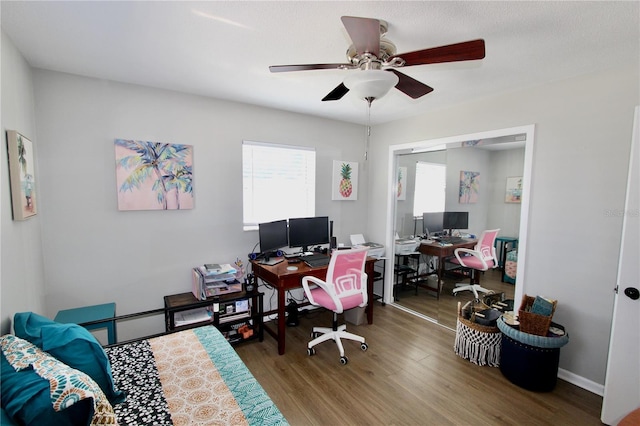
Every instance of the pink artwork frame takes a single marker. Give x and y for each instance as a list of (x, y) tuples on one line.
[(154, 175)]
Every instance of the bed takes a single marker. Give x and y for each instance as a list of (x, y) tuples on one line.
[(192, 377)]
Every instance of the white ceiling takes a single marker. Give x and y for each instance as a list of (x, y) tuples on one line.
[(223, 49)]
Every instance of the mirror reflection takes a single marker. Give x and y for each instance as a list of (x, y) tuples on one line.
[(464, 189)]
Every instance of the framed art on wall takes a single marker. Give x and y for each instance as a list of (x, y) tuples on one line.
[(469, 187), (21, 175), (344, 181), (401, 181), (154, 175), (514, 190)]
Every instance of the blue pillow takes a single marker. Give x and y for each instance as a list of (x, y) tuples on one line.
[(26, 396), (73, 345)]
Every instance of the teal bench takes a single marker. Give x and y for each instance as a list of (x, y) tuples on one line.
[(92, 314)]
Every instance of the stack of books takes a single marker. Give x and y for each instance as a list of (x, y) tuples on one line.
[(213, 280)]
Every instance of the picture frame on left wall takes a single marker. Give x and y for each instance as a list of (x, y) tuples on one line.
[(22, 178)]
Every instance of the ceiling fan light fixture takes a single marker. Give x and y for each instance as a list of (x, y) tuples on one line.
[(370, 84)]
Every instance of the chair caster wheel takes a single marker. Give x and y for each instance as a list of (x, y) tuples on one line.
[(311, 351), (344, 360), (364, 346)]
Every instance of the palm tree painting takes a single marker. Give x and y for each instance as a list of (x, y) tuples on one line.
[(469, 186), (22, 176), (154, 175)]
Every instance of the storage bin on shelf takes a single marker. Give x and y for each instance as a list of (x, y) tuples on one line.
[(531, 361), (510, 267), (477, 343), (531, 322)]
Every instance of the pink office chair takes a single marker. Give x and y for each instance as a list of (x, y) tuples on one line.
[(481, 258), (345, 288)]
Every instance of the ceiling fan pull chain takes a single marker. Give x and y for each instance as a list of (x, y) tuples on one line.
[(368, 136)]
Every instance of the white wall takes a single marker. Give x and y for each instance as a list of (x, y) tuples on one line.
[(506, 216), (96, 254), (472, 160), (580, 160), (22, 276), (405, 225), (92, 253), (490, 211)]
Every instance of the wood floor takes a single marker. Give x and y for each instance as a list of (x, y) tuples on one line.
[(408, 376), (444, 310)]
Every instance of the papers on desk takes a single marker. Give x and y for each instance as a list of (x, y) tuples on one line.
[(375, 249), (204, 286), (357, 239), (217, 272), (191, 316)]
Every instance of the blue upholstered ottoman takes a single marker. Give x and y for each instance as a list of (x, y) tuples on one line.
[(528, 360)]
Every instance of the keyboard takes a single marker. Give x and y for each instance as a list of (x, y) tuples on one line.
[(451, 240), (316, 260)]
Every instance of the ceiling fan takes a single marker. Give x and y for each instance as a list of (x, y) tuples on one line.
[(377, 63)]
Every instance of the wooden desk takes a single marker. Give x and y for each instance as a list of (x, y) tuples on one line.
[(442, 252), (282, 280)]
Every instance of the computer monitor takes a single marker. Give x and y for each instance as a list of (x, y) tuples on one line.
[(455, 220), (273, 236), (308, 231), (432, 223)]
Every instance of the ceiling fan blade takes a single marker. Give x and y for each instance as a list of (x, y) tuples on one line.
[(410, 86), (364, 33), (337, 93), (465, 51), (286, 68)]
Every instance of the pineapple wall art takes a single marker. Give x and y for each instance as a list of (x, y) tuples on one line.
[(345, 180)]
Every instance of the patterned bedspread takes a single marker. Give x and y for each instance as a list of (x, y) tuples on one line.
[(193, 377)]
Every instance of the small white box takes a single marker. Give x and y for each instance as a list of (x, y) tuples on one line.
[(355, 316)]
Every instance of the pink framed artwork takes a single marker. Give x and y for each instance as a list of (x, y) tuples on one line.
[(154, 175), (469, 187)]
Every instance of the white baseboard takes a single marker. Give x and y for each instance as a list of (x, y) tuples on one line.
[(581, 382)]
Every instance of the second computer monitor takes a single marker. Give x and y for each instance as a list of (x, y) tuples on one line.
[(272, 236), (432, 223), (455, 220), (308, 231)]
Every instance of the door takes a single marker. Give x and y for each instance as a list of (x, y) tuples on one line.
[(622, 382)]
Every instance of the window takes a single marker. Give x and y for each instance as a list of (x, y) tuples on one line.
[(430, 188), (278, 182)]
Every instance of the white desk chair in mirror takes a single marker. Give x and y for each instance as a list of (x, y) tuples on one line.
[(481, 258)]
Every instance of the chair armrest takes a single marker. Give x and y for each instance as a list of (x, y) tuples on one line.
[(323, 285), (470, 252)]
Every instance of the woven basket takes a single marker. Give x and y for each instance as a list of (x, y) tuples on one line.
[(477, 343), (533, 323)]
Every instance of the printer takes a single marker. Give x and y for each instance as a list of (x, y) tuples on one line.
[(405, 246), (375, 249)]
